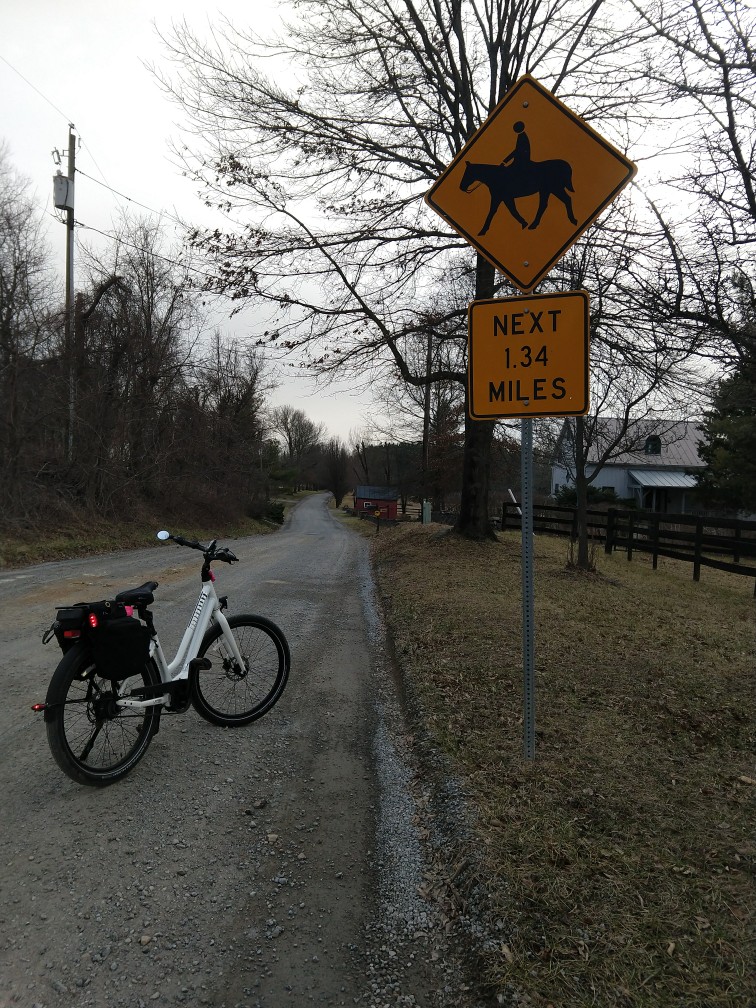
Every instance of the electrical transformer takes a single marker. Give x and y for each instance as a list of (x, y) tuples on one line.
[(63, 192)]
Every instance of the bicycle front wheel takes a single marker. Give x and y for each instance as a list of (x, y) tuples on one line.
[(229, 694), (92, 739)]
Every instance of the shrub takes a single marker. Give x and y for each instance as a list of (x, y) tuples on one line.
[(276, 512), (567, 496)]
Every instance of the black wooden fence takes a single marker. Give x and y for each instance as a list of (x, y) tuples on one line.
[(704, 542)]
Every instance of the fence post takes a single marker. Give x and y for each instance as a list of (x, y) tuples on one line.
[(503, 516), (655, 521), (610, 518), (697, 548), (630, 531), (736, 551)]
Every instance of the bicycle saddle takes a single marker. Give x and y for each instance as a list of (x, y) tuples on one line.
[(141, 596)]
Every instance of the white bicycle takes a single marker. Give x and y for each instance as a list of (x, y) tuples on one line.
[(106, 696)]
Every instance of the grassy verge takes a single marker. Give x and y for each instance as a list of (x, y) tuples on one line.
[(617, 870), (91, 535), (103, 537)]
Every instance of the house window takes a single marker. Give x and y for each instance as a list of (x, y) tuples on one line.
[(653, 445)]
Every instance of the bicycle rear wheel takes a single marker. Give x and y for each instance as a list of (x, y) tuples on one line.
[(227, 694), (92, 740)]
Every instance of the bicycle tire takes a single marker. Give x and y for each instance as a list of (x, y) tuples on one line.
[(228, 696), (92, 741)]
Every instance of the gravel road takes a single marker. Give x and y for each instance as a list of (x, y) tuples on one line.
[(272, 865)]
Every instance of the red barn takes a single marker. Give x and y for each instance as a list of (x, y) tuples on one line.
[(369, 499)]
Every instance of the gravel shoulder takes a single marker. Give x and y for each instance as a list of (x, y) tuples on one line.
[(282, 863)]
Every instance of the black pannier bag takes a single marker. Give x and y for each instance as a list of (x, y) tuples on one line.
[(68, 627), (120, 644)]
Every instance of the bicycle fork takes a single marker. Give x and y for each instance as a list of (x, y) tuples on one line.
[(230, 641)]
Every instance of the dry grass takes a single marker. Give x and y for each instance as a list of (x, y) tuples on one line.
[(617, 869), (92, 537)]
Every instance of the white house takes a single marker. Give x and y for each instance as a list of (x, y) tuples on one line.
[(651, 463)]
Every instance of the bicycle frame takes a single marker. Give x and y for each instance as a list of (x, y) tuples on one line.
[(208, 609)]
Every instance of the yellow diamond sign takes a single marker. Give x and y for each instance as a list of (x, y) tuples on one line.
[(528, 183)]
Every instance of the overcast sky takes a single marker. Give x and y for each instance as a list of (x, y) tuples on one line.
[(88, 60)]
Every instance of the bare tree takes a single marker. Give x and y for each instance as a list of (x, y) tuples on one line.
[(232, 382), (335, 468), (330, 173), (301, 438), (163, 418), (706, 65), (133, 352), (704, 60), (360, 456), (26, 333)]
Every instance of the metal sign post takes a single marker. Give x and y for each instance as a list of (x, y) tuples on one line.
[(528, 617)]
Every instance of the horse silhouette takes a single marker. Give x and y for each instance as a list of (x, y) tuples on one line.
[(505, 185)]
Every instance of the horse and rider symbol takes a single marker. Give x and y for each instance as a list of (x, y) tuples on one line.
[(518, 176)]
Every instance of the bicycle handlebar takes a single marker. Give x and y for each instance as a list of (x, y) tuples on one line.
[(180, 541), (210, 552)]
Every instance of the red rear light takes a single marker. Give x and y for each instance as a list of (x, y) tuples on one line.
[(93, 621), (39, 707), (72, 633)]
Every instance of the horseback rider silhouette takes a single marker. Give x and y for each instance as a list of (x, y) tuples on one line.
[(519, 160), (516, 176)]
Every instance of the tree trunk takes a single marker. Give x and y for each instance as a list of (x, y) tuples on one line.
[(474, 522), (581, 502)]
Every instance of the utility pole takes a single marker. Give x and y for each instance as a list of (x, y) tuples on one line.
[(63, 191), (70, 291), (426, 425)]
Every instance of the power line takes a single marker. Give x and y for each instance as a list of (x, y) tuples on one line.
[(123, 241), (137, 248), (160, 213), (67, 118), (35, 88), (53, 105), (105, 185), (88, 150)]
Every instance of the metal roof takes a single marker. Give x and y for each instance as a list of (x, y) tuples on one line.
[(376, 493), (668, 480), (679, 441)]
